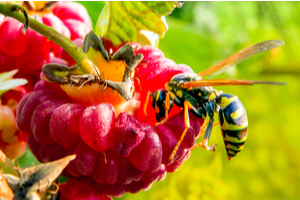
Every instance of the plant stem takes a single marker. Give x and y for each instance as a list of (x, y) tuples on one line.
[(85, 64)]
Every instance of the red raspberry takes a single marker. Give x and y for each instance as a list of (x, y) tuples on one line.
[(79, 190), (68, 133), (12, 141), (29, 52), (107, 167), (117, 152), (93, 129), (84, 162)]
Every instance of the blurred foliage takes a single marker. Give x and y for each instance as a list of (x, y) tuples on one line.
[(128, 20), (201, 34)]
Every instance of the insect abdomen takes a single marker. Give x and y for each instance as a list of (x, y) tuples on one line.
[(233, 121)]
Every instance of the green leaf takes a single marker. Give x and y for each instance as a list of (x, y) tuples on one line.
[(7, 75), (7, 82), (7, 85), (133, 20), (162, 7), (6, 165)]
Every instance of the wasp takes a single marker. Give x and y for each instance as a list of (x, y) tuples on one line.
[(192, 93)]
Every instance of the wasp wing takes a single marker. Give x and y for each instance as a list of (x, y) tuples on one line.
[(242, 55), (216, 82)]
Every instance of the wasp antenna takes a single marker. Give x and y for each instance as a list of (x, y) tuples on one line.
[(270, 83), (270, 44)]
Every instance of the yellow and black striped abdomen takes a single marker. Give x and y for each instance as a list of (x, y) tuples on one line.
[(233, 121)]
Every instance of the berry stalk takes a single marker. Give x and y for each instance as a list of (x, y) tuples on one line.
[(76, 53)]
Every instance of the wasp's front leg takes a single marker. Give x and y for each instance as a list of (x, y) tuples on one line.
[(207, 127), (149, 94), (187, 106), (165, 110)]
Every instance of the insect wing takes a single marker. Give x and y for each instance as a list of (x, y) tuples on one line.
[(216, 82), (242, 55)]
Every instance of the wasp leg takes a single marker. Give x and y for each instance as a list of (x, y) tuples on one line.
[(206, 137), (187, 106), (167, 108), (146, 102), (167, 105), (203, 128), (211, 109)]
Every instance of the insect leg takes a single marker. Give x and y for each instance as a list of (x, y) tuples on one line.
[(187, 106), (206, 137), (146, 102), (166, 108), (211, 109), (203, 128)]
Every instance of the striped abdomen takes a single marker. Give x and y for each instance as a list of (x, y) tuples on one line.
[(233, 121)]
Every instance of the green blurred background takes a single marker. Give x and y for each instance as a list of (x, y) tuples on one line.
[(203, 33)]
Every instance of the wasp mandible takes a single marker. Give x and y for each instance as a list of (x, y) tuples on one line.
[(191, 92)]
